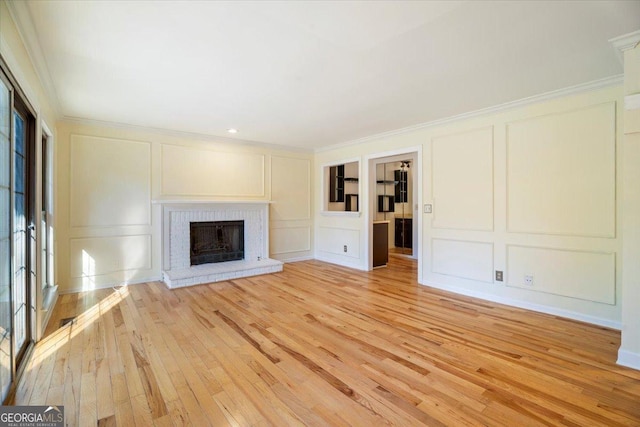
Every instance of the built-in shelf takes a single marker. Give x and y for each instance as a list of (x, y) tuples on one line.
[(343, 187), (385, 203)]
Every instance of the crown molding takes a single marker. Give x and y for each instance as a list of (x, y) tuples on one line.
[(625, 42), (182, 134), (571, 90), (21, 16)]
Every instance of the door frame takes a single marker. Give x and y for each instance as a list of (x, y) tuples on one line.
[(415, 154), (25, 107)]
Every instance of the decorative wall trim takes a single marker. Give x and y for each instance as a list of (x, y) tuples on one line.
[(490, 244), (291, 251), (148, 262), (180, 134), (164, 175), (75, 139), (509, 283), (509, 168), (309, 177), (571, 90), (434, 213), (625, 42)]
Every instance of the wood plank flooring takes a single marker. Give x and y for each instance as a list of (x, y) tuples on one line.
[(323, 345)]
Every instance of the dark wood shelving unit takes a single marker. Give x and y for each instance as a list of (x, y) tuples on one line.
[(400, 188), (336, 183)]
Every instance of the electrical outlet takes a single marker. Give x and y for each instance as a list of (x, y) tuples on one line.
[(345, 248), (499, 276), (528, 280)]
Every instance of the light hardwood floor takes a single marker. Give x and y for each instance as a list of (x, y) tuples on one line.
[(323, 345)]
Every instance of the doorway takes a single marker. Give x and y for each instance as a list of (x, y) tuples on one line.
[(17, 231), (394, 192)]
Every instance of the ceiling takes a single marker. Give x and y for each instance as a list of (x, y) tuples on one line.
[(314, 74)]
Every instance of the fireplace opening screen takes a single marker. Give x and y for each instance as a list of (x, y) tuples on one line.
[(216, 241)]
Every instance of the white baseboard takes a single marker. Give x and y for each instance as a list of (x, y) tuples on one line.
[(334, 261), (111, 285), (629, 359), (531, 306), (297, 259), (53, 299)]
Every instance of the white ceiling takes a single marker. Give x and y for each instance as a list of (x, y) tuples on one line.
[(312, 74)]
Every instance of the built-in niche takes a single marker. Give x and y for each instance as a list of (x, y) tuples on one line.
[(343, 187)]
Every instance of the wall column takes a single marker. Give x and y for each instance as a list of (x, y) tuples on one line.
[(629, 352)]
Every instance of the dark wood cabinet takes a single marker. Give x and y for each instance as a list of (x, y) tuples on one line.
[(403, 233), (380, 243)]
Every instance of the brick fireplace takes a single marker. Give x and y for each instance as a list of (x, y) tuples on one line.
[(177, 222)]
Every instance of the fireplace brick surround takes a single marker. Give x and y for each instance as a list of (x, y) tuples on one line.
[(176, 218)]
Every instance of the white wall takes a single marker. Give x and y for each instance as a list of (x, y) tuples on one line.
[(530, 191), (111, 178)]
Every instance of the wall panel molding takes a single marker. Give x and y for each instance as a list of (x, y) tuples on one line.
[(99, 256), (574, 273), (561, 173), (198, 172), (465, 259), (290, 185), (333, 239), (286, 240), (462, 180), (110, 182)]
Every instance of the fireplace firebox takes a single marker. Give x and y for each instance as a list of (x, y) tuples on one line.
[(216, 241)]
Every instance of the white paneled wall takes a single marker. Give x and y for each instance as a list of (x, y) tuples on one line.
[(531, 191), (109, 228)]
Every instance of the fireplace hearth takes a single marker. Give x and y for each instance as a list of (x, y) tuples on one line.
[(216, 241)]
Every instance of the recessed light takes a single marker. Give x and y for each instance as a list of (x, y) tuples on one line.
[(232, 130)]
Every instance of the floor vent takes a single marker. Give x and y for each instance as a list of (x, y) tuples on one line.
[(67, 320)]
